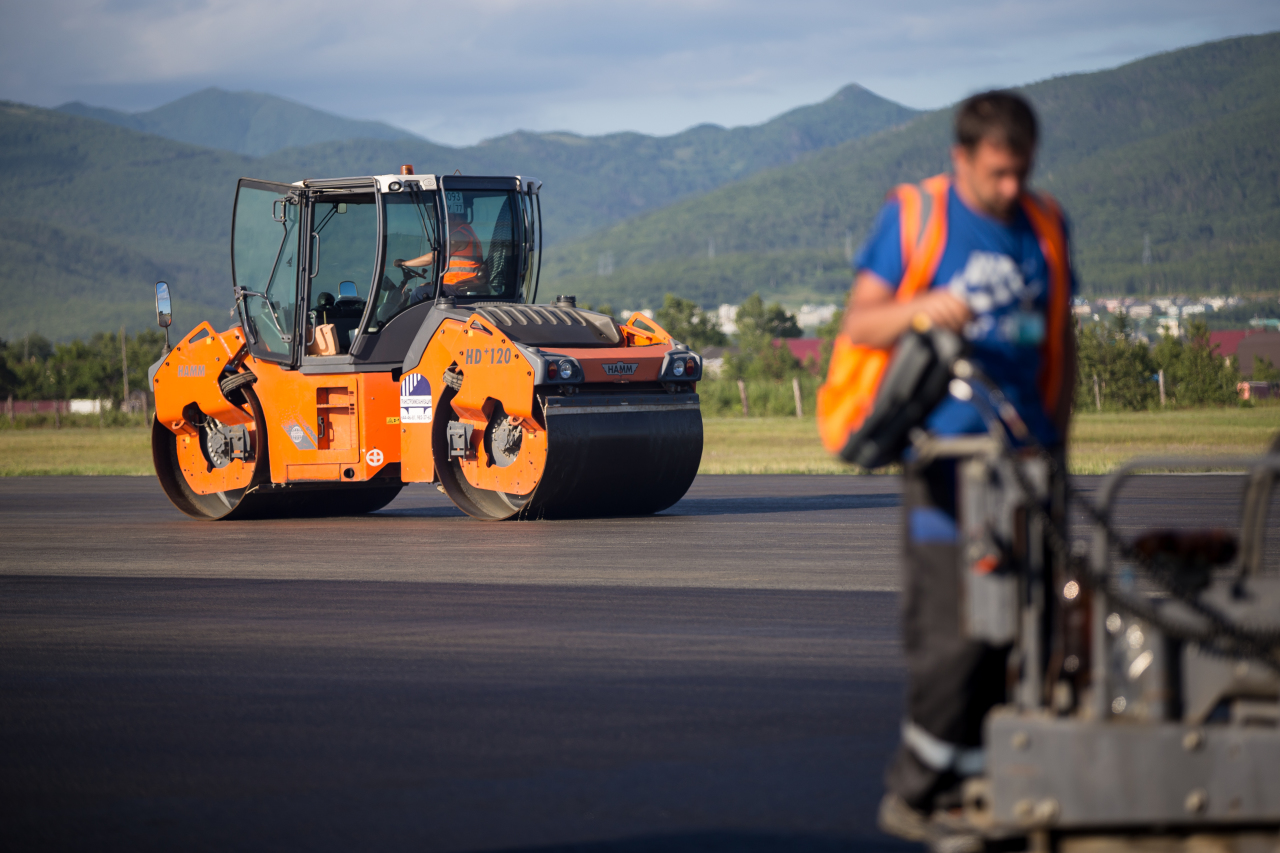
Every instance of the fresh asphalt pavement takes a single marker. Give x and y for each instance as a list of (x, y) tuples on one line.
[(723, 676)]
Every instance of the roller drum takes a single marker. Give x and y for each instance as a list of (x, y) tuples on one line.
[(613, 457), (607, 455), (260, 499)]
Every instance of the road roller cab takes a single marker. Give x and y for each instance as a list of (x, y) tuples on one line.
[(370, 351)]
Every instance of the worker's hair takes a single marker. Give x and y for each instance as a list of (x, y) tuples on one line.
[(1000, 116)]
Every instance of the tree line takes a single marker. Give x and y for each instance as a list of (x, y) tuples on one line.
[(1118, 370), (34, 368)]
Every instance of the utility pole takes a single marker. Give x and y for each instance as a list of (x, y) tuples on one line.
[(124, 367), (1161, 375), (1146, 259), (742, 392), (795, 387)]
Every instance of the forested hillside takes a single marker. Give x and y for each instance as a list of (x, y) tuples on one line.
[(93, 203), (1178, 148), (95, 213)]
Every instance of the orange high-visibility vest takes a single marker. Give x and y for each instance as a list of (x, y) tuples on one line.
[(853, 378), (466, 254)]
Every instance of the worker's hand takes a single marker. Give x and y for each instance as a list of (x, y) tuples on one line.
[(944, 309), (398, 263)]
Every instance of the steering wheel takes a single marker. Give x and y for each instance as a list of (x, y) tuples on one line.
[(406, 290), (407, 272)]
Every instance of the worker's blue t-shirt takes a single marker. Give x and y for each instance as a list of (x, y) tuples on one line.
[(998, 269)]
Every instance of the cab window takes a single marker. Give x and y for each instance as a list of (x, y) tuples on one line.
[(482, 244), (265, 243), (346, 244), (408, 274)]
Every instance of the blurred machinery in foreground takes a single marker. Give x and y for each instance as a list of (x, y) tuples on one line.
[(1144, 708)]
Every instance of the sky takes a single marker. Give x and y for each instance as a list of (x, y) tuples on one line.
[(460, 72)]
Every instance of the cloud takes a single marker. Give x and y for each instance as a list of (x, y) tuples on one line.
[(458, 72)]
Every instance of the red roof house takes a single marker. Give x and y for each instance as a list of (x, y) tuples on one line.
[(1228, 341), (802, 348)]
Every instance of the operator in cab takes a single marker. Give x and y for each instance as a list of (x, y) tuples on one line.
[(466, 262), (996, 271)]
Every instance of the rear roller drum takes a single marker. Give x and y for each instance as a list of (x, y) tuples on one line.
[(212, 475), (191, 472)]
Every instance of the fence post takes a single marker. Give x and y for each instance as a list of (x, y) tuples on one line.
[(795, 387), (57, 414), (742, 392), (124, 367), (1097, 394), (8, 407), (1161, 375)]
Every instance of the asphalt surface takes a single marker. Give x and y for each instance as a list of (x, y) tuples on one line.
[(723, 676)]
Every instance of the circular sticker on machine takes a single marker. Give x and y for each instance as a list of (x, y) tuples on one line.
[(374, 457)]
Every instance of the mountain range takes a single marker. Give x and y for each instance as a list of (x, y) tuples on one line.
[(243, 122), (1175, 152), (96, 207)]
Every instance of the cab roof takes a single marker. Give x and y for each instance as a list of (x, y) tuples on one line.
[(395, 183)]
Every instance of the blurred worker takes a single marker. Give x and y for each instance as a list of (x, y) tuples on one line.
[(988, 259), (466, 260)]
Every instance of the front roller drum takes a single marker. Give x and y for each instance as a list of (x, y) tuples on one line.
[(606, 456)]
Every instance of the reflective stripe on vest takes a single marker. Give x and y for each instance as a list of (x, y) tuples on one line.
[(467, 260)]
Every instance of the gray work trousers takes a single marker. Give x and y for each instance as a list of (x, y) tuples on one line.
[(951, 682)]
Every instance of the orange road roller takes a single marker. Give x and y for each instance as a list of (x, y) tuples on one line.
[(387, 332)]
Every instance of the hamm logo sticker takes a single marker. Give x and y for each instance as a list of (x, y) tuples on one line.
[(415, 399), (620, 368)]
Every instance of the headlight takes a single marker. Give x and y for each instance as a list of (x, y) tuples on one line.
[(561, 369), (682, 365)]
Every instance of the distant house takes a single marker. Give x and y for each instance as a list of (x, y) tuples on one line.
[(1228, 340), (803, 348), (808, 351), (1257, 390), (713, 360), (1264, 344)]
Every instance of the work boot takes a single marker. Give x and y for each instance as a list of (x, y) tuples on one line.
[(949, 832), (899, 819), (944, 831)]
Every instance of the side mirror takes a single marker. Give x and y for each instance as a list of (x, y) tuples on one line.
[(164, 307), (347, 289), (164, 310)]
